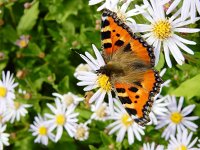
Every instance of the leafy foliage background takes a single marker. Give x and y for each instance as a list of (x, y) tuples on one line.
[(60, 29)]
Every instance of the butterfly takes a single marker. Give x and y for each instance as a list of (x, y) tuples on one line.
[(130, 67)]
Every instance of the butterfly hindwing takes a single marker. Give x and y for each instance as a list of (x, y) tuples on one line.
[(137, 97)]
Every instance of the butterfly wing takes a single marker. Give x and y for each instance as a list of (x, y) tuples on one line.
[(116, 34), (136, 96)]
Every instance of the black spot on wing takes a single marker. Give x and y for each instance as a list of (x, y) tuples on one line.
[(107, 45), (133, 89), (127, 48), (125, 100), (120, 90), (119, 43), (105, 23), (118, 35), (131, 111), (137, 96), (105, 35)]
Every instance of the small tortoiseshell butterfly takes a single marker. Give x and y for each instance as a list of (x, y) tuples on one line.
[(129, 66)]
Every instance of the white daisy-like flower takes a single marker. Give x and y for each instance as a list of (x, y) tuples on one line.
[(100, 113), (93, 80), (159, 105), (121, 10), (189, 8), (42, 130), (82, 132), (161, 32), (124, 124), (152, 146), (7, 87), (3, 137), (62, 117), (69, 99), (182, 141), (15, 111), (176, 119), (81, 67), (159, 108)]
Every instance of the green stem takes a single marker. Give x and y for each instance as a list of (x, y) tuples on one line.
[(44, 98), (12, 15)]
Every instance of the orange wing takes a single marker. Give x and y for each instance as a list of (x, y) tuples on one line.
[(115, 34), (137, 98)]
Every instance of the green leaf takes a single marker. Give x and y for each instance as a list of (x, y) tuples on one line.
[(28, 20), (92, 147), (61, 11), (105, 138), (189, 88)]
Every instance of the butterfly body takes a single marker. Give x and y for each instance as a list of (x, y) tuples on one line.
[(129, 66)]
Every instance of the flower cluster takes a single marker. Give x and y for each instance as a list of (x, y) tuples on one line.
[(11, 110), (164, 28), (63, 117)]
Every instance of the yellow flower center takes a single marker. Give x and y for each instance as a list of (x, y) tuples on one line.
[(176, 117), (80, 133), (127, 120), (22, 43), (162, 29), (104, 82), (68, 99), (60, 119), (42, 130), (101, 112), (17, 105), (182, 147), (3, 91)]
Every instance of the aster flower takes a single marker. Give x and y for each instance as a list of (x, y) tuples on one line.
[(159, 108), (81, 67), (3, 137), (7, 87), (152, 146), (62, 117), (120, 8), (23, 41), (161, 33), (92, 80), (176, 119), (124, 124), (159, 105), (69, 99), (100, 113), (42, 130), (15, 111), (182, 141), (82, 132), (188, 9)]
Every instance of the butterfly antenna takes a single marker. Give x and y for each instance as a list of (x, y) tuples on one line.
[(75, 50)]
